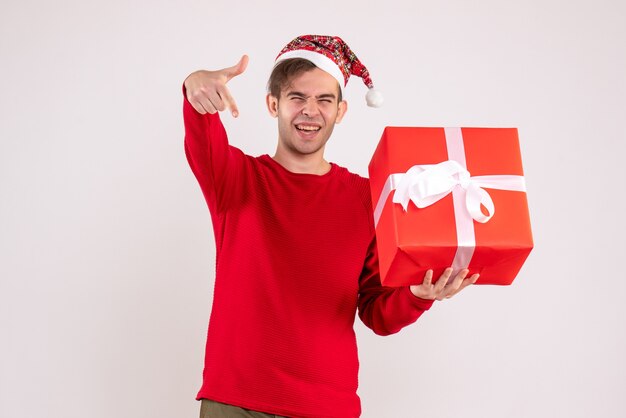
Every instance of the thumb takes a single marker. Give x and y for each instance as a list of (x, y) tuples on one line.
[(237, 69)]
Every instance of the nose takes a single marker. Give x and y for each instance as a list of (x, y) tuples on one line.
[(310, 108)]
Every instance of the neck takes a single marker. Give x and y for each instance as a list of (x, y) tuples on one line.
[(303, 164)]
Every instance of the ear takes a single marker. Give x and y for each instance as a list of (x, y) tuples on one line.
[(342, 108), (272, 105)]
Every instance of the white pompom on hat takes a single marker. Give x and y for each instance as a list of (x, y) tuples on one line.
[(333, 55)]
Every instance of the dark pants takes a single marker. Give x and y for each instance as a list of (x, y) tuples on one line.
[(212, 409)]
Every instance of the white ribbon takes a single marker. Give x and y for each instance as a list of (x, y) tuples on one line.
[(426, 184)]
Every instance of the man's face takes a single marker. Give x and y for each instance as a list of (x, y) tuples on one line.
[(307, 112)]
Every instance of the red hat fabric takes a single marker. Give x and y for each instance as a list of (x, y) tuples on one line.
[(333, 55)]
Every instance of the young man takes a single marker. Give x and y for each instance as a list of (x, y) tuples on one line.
[(296, 249)]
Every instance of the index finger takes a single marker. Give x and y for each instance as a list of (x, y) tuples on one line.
[(458, 280), (227, 98), (443, 280)]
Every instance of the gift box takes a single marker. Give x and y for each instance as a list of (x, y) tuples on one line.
[(449, 197)]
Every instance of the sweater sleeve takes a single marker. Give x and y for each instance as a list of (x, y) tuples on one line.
[(213, 161), (386, 310)]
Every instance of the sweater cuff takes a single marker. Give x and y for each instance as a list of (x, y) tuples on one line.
[(423, 304)]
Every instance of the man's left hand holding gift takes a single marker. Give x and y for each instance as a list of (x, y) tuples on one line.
[(441, 289)]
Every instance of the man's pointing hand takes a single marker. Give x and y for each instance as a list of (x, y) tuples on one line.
[(207, 91)]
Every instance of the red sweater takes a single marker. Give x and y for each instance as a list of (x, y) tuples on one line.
[(296, 256)]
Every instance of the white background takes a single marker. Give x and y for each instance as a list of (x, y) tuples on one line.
[(106, 248)]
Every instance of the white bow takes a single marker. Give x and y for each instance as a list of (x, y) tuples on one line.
[(426, 184)]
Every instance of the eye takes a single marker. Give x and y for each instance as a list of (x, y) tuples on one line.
[(325, 101)]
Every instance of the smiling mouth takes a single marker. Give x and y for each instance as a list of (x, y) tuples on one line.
[(308, 128)]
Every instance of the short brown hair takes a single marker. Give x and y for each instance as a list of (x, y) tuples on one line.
[(285, 71)]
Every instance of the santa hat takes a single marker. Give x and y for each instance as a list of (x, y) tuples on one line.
[(333, 55)]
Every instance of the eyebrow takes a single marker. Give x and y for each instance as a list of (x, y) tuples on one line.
[(304, 96)]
